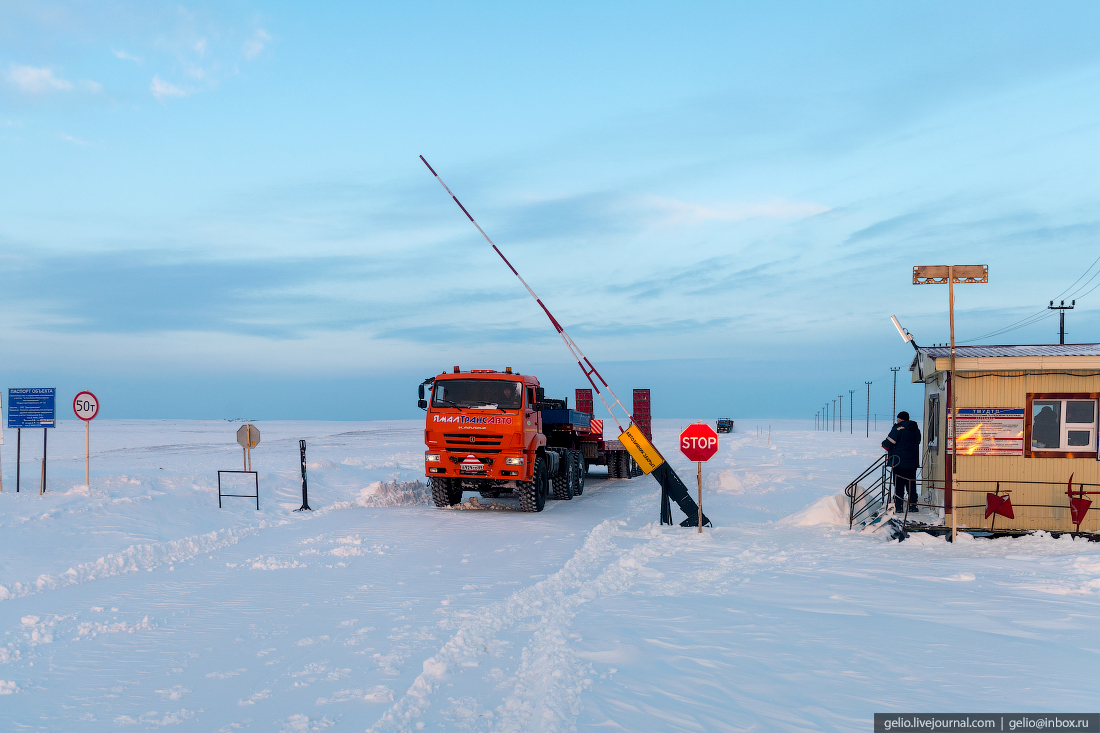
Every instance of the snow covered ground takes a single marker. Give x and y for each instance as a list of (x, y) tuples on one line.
[(137, 604)]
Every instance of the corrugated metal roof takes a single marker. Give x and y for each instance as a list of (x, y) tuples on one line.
[(1014, 350)]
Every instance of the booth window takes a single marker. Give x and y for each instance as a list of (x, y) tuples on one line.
[(1061, 425), (932, 426)]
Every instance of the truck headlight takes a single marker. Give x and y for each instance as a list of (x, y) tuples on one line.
[(431, 457), (514, 461)]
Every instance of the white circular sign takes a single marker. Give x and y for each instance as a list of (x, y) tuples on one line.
[(85, 405)]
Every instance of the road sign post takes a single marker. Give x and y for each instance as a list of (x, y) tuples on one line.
[(699, 443), (86, 407), (31, 407), (248, 437)]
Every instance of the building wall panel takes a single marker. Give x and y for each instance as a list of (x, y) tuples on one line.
[(1010, 389)]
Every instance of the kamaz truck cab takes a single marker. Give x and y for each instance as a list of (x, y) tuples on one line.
[(484, 432)]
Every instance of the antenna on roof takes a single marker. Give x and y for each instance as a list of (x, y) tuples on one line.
[(905, 335)]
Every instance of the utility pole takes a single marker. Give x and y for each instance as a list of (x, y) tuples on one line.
[(1062, 317), (834, 416), (841, 413), (951, 274), (851, 401), (894, 414), (868, 409)]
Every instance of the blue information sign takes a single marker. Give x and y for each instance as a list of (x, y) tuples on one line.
[(31, 407)]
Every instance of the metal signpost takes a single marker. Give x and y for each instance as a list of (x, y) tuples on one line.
[(31, 407), (951, 274), (699, 443), (86, 407), (248, 436), (1, 443)]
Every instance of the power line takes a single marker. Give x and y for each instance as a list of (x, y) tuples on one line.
[(1044, 314)]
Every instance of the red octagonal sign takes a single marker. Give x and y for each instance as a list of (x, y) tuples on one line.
[(699, 442)]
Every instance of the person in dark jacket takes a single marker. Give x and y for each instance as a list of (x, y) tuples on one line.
[(903, 447)]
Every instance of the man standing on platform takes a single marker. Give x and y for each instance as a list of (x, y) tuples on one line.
[(903, 447)]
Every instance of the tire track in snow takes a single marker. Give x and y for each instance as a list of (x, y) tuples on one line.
[(548, 683), (135, 558)]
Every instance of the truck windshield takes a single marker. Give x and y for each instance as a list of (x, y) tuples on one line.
[(492, 394)]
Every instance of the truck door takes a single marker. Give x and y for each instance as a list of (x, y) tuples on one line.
[(530, 418)]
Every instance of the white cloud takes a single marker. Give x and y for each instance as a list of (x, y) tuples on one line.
[(127, 57), (37, 81), (253, 46), (92, 86), (162, 89), (200, 47), (70, 139), (680, 211)]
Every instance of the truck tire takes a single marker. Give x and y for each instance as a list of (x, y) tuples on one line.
[(581, 464), (566, 479), (532, 494), (446, 491), (617, 465)]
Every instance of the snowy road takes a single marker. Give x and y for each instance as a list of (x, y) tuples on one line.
[(137, 604)]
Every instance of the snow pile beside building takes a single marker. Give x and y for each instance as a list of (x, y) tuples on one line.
[(826, 510)]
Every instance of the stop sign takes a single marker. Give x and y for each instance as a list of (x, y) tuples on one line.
[(699, 442)]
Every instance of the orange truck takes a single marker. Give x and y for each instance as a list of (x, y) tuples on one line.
[(497, 433)]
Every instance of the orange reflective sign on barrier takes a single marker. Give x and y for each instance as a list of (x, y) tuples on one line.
[(641, 450)]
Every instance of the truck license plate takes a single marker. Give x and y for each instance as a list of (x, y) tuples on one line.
[(472, 467)]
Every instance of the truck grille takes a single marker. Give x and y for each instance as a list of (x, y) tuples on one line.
[(479, 441)]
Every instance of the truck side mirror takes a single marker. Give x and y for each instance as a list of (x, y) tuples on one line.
[(422, 404), (420, 391), (540, 394)]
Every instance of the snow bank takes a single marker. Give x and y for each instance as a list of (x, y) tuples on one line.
[(826, 510), (395, 493)]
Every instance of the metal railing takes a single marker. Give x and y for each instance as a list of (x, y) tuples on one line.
[(997, 486), (865, 502)]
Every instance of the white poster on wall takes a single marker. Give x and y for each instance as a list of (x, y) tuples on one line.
[(989, 431)]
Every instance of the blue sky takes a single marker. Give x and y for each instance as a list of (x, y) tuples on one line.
[(217, 210)]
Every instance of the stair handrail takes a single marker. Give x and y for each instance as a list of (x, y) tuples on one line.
[(879, 485)]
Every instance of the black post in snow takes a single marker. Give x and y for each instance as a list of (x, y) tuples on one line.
[(305, 496)]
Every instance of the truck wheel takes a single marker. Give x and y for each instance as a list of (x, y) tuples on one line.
[(564, 481), (582, 469), (532, 494), (619, 463), (446, 492)]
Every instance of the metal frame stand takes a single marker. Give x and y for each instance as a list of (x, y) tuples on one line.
[(255, 496)]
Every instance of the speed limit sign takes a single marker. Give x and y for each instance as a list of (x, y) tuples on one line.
[(85, 405)]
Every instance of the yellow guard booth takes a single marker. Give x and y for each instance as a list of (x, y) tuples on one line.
[(1027, 424)]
